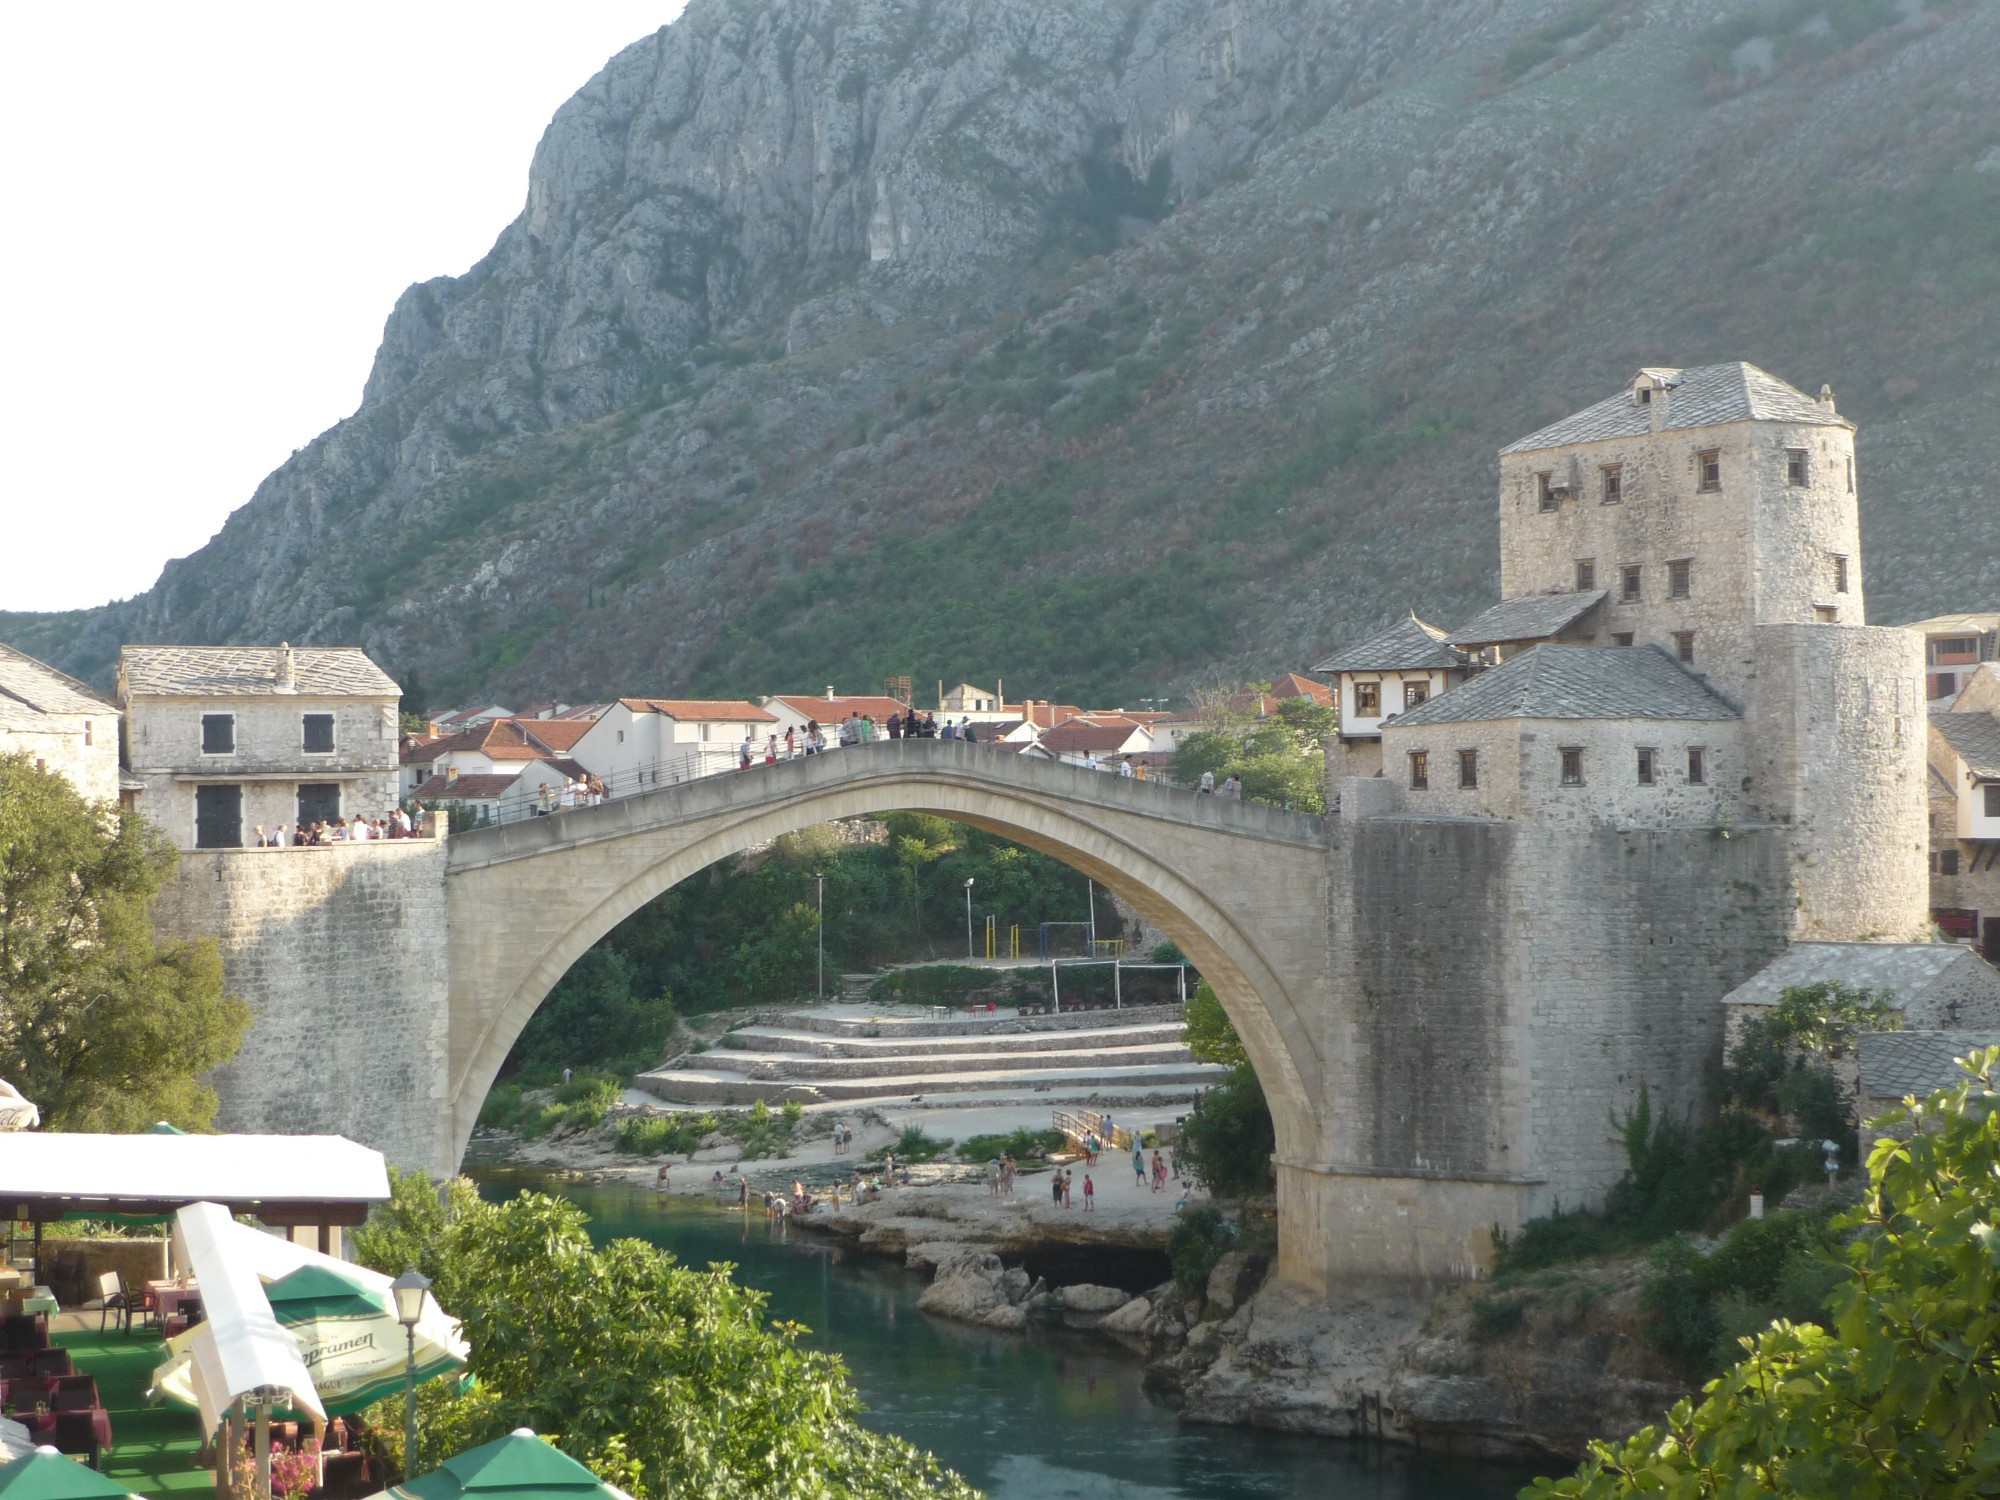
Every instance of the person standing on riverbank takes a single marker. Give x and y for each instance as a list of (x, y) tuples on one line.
[(993, 1177), (1089, 1194), (1138, 1166)]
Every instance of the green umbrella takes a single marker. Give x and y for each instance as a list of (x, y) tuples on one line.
[(163, 1128), (48, 1475), (347, 1333), (519, 1466)]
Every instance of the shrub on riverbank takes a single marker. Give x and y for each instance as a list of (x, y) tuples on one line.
[(1896, 1394), (663, 1380), (1200, 1237), (1023, 1145)]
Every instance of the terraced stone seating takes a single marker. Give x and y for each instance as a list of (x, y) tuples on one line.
[(841, 1056)]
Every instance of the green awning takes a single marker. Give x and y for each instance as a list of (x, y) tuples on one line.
[(519, 1466), (48, 1475)]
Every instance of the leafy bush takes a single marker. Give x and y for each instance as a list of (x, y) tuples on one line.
[(1765, 1268), (1226, 1145), (936, 983), (502, 1109), (1895, 1395), (1199, 1238), (663, 1380), (1676, 1179), (664, 1135), (913, 1145), (1023, 1145)]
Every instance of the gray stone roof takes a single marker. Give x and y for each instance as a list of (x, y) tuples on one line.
[(247, 671), (1905, 969), (1409, 645), (1532, 617), (1895, 1064), (1976, 738), (1576, 682), (1704, 396), (37, 688)]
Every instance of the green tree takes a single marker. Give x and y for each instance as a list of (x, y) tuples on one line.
[(665, 1380), (1226, 1144), (596, 1016), (1208, 1033), (1280, 758), (1899, 1395), (1779, 1071), (101, 1026)]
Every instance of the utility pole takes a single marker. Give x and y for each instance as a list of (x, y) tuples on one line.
[(968, 919), (1093, 916), (819, 902)]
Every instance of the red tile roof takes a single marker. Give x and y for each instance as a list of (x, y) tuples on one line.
[(456, 788), (504, 739), (832, 710), (692, 710), (1291, 685), (1076, 736)]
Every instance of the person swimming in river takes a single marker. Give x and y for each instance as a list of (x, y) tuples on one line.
[(660, 1182)]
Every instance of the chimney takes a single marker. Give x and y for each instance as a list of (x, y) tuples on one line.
[(1826, 398), (288, 681), (940, 695), (1662, 393), (1000, 694), (829, 692), (450, 773)]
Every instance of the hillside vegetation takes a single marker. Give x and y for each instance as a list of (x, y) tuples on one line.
[(1107, 347)]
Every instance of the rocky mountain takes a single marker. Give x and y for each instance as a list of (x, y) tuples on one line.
[(1104, 345)]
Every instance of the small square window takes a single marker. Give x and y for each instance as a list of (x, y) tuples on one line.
[(1697, 767), (1613, 477), (1947, 862), (1798, 472), (1629, 578), (1826, 614), (1839, 574), (1572, 766), (1708, 469), (1415, 693), (1680, 575), (1993, 800), (218, 734), (1648, 765), (1468, 768), (1684, 646), (1368, 700), (1545, 494), (1420, 770), (1586, 574), (319, 734), (1621, 638)]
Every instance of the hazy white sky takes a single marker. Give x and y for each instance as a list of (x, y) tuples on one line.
[(206, 212)]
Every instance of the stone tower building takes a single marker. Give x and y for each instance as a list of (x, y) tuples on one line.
[(1686, 749)]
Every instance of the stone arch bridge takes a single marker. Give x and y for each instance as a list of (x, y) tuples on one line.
[(1446, 1012)]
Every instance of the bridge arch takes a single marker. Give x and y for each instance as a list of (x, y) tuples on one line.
[(1239, 887)]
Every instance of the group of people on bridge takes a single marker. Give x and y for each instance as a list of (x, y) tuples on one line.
[(856, 729)]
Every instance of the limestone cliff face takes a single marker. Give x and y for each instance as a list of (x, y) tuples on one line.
[(1200, 318)]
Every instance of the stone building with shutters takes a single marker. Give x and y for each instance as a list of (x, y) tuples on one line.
[(224, 739), (59, 724)]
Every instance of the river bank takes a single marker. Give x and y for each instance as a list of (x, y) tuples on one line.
[(1044, 1413), (1537, 1366)]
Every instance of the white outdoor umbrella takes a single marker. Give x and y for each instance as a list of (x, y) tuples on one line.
[(15, 1440), (16, 1113)]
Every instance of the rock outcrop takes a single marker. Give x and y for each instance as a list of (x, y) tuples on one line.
[(972, 1286), (807, 298)]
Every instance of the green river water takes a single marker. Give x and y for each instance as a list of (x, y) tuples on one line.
[(1031, 1416)]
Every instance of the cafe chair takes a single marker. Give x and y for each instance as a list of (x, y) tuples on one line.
[(76, 1432), (111, 1298), (50, 1362)]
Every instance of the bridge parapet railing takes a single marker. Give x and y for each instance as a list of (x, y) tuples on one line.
[(704, 762)]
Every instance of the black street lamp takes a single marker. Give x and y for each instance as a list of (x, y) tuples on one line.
[(408, 1290)]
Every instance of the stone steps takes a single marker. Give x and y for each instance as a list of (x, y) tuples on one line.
[(850, 1055), (775, 1039), (709, 1086), (791, 1065)]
